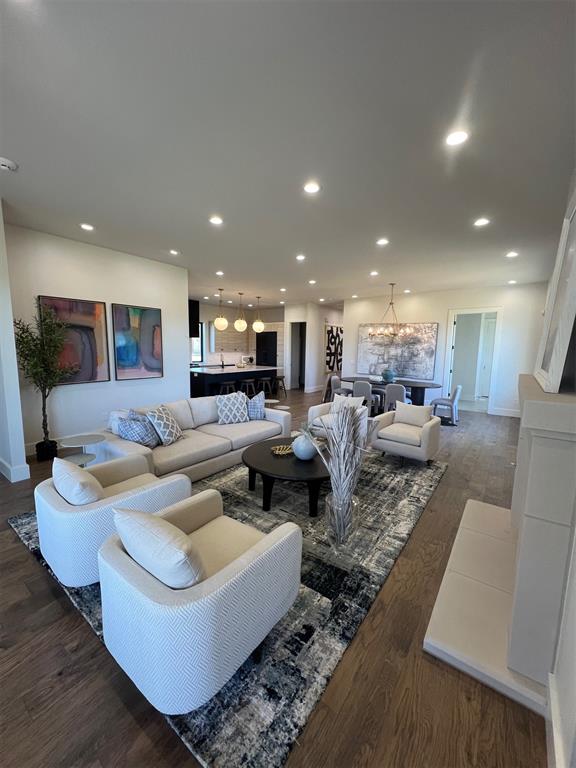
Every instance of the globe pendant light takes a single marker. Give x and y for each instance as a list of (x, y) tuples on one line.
[(220, 323), (240, 324), (258, 325)]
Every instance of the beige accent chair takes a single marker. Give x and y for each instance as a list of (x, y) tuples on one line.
[(320, 419), (398, 433), (180, 646), (70, 535)]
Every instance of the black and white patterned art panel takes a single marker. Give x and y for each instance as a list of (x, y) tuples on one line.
[(334, 342), (412, 357)]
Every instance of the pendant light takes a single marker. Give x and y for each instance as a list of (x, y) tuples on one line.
[(258, 325), (391, 328), (240, 323), (220, 323)]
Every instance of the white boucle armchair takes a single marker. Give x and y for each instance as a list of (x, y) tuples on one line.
[(320, 419), (180, 646), (70, 535), (389, 435)]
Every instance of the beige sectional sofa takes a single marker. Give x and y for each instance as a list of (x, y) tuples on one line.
[(207, 447)]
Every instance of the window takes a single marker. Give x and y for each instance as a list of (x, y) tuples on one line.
[(197, 346)]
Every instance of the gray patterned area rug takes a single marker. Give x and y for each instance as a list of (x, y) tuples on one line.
[(257, 716)]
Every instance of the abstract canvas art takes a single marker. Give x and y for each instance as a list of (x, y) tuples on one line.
[(412, 356), (334, 342), (137, 342), (86, 346)]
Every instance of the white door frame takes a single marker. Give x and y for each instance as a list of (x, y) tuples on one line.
[(450, 335)]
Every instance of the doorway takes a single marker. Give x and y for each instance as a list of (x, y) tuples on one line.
[(266, 348), (471, 353), (297, 355)]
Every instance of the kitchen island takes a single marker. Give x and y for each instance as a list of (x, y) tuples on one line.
[(206, 379)]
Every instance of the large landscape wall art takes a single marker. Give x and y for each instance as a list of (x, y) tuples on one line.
[(137, 342), (409, 357), (86, 346)]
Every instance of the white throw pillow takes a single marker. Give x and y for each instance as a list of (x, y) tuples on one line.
[(160, 547), (417, 415), (74, 484), (342, 401)]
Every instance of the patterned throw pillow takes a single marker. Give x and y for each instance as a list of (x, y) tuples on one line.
[(138, 429), (232, 409), (256, 407), (165, 425)]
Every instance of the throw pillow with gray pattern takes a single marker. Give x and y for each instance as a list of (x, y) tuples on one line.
[(138, 430), (165, 425), (256, 407), (232, 409)]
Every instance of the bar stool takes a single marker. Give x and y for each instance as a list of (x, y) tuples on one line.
[(227, 387), (248, 386), (280, 383), (266, 384)]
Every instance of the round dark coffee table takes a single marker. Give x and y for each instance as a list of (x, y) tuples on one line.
[(260, 460)]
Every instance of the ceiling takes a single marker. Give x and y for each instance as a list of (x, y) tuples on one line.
[(145, 118)]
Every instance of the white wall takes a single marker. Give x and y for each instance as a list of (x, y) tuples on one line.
[(465, 366), (12, 453), (43, 264), (521, 306)]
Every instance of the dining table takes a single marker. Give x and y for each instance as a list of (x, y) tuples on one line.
[(417, 387)]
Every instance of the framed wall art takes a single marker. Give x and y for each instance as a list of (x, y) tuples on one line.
[(86, 346), (560, 312), (137, 342)]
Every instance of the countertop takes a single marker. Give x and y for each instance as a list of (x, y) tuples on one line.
[(218, 370)]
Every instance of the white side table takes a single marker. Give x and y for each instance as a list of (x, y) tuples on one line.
[(81, 441)]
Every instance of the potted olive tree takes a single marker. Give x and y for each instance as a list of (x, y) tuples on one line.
[(39, 345)]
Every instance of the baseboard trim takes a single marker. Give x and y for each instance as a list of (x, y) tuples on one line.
[(310, 390), (504, 412), (555, 747), (14, 474)]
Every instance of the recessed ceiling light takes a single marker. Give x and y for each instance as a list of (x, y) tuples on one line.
[(282, 302), (207, 298), (300, 257), (250, 305), (456, 137), (215, 295), (320, 299), (312, 282), (229, 301), (354, 295), (373, 273), (511, 254), (216, 220), (87, 227), (220, 273), (481, 222), (311, 187), (8, 165), (407, 290), (512, 282), (174, 252), (382, 241), (283, 290)]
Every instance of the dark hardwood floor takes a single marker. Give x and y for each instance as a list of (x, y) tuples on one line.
[(64, 702)]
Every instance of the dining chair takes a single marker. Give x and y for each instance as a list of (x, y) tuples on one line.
[(394, 393), (449, 402), (364, 389), (336, 387)]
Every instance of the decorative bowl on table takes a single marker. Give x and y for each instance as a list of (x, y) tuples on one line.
[(282, 450)]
